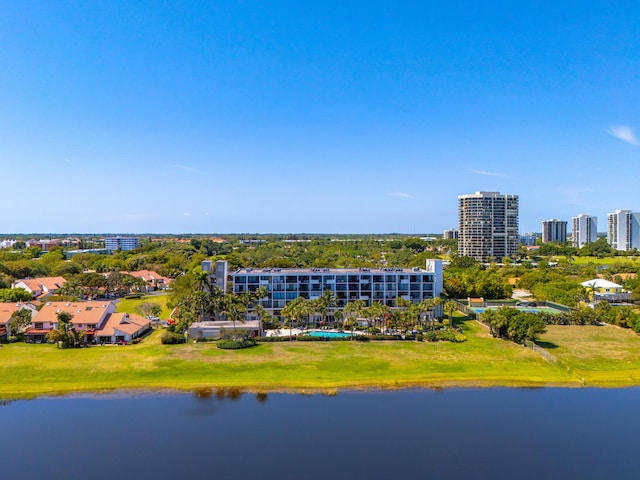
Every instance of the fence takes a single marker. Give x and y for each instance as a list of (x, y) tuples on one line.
[(541, 351), (469, 312)]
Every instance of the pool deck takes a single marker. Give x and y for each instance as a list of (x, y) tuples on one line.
[(284, 332)]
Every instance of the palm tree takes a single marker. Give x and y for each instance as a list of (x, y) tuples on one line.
[(295, 310), (233, 310), (377, 311), (263, 315), (325, 303), (65, 333), (450, 307), (353, 311)]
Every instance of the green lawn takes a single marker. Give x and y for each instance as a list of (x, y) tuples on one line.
[(30, 370), (129, 305), (603, 356), (602, 261)]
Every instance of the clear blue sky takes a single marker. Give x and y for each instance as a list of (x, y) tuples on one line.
[(290, 116)]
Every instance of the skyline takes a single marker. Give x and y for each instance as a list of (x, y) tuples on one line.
[(287, 118)]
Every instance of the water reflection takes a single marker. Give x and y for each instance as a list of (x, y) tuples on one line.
[(261, 397)]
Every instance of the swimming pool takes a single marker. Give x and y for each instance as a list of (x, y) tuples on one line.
[(522, 309), (321, 333)]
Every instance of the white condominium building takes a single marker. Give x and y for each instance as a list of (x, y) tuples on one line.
[(382, 285), (487, 225), (112, 244), (623, 230), (584, 230), (554, 230)]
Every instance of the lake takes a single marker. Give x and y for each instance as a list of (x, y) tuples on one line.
[(415, 434)]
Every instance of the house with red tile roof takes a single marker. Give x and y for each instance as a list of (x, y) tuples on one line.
[(122, 327), (7, 310), (86, 316), (98, 319), (154, 280), (40, 287)]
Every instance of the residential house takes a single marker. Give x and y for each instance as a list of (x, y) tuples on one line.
[(87, 316), (40, 287), (121, 328), (98, 319), (601, 289), (7, 310), (154, 280)]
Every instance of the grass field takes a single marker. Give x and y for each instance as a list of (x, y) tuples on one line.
[(604, 356), (602, 261), (129, 305)]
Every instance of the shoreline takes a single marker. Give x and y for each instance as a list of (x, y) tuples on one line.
[(207, 389), (587, 357)]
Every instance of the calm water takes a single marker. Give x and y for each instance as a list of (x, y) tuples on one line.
[(480, 434)]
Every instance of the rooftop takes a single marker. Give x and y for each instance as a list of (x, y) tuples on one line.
[(318, 271)]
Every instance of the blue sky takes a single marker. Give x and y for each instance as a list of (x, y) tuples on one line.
[(288, 116)]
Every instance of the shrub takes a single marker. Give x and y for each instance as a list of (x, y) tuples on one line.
[(361, 338), (273, 339), (420, 337), (12, 339), (135, 341), (230, 344), (444, 336), (171, 338)]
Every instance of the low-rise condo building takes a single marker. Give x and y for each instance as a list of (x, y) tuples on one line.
[(383, 285)]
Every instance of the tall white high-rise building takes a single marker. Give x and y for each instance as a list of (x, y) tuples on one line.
[(584, 230), (554, 230), (488, 225), (623, 230)]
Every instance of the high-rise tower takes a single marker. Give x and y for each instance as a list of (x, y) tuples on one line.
[(623, 230), (487, 225), (554, 231), (584, 230)]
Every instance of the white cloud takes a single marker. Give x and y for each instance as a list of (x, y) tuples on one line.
[(186, 168), (401, 195), (624, 133), (488, 174), (187, 214)]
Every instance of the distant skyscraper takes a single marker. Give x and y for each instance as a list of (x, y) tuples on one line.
[(487, 225), (554, 231), (450, 234), (584, 230), (623, 230)]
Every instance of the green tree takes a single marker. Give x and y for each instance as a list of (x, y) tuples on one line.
[(65, 335), (21, 319), (325, 303), (295, 311), (353, 311), (11, 295), (233, 310)]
